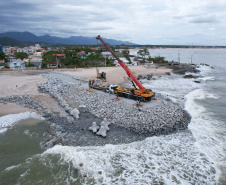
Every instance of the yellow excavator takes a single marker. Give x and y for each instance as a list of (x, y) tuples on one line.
[(101, 76)]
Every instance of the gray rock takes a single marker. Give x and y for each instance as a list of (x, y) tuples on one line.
[(83, 108), (70, 119)]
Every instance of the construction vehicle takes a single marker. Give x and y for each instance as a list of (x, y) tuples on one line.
[(140, 94), (101, 76), (96, 84)]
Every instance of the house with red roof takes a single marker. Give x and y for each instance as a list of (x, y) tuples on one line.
[(82, 54), (61, 56), (53, 64)]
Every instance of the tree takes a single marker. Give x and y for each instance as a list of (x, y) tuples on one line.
[(48, 57), (143, 53), (68, 60), (126, 55), (29, 64), (21, 55), (91, 58), (149, 59), (160, 60), (3, 56), (87, 50)]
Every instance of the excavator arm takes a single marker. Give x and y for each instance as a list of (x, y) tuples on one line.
[(129, 73)]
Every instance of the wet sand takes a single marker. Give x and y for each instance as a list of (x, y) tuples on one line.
[(11, 108)]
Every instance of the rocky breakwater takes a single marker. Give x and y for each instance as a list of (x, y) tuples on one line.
[(164, 119)]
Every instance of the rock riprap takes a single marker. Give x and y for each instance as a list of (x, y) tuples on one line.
[(163, 119), (24, 101)]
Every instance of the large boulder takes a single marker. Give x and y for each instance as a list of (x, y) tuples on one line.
[(83, 108)]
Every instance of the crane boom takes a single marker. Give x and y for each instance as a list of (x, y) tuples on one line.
[(129, 73)]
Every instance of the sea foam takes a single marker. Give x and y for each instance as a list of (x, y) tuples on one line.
[(174, 87), (10, 120), (206, 130), (171, 159)]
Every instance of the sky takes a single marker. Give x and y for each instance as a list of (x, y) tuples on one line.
[(183, 22)]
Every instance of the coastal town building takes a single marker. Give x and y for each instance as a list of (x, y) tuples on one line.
[(60, 56), (36, 60), (17, 64), (82, 54), (107, 54), (54, 64)]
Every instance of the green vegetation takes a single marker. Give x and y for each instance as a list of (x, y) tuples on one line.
[(21, 55), (6, 41), (143, 53), (2, 55), (158, 60), (29, 64), (49, 57), (73, 59), (126, 55)]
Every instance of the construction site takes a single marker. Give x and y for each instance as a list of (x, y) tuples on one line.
[(111, 94)]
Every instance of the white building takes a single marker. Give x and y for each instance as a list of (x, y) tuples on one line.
[(17, 64), (133, 63), (107, 54)]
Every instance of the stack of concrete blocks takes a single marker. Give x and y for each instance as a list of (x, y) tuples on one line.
[(102, 129)]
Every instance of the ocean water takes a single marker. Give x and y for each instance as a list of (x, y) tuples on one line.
[(193, 156)]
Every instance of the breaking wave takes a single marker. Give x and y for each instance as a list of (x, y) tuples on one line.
[(10, 120), (170, 159), (206, 130)]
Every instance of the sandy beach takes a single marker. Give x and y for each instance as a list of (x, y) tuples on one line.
[(20, 83), (117, 75)]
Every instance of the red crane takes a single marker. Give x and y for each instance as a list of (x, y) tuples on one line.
[(129, 73)]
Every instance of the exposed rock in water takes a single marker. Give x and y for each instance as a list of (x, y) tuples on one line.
[(196, 81), (181, 68), (139, 77), (190, 76)]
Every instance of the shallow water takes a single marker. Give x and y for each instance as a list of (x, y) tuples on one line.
[(17, 145)]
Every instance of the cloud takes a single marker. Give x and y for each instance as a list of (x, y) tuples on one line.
[(143, 22), (208, 19), (212, 28)]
